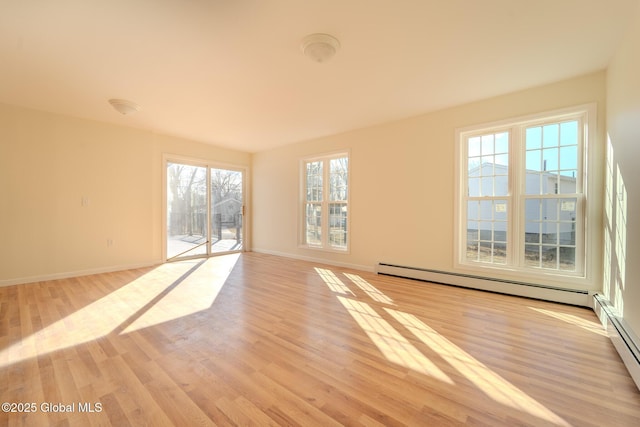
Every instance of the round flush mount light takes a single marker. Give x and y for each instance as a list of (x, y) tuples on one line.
[(123, 106), (320, 47)]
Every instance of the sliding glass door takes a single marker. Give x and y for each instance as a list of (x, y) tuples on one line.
[(226, 210), (204, 210)]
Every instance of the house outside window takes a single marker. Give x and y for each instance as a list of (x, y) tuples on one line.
[(325, 202), (522, 199)]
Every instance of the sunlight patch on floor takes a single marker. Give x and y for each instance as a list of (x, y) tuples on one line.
[(170, 291), (195, 293), (492, 384), (587, 325), (333, 282), (395, 347), (369, 289)]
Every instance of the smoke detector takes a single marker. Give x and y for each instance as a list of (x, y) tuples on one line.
[(123, 106), (320, 47)]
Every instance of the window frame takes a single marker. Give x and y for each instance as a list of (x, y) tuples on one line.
[(325, 244), (516, 195)]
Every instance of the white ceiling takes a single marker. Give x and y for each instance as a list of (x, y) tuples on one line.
[(231, 73)]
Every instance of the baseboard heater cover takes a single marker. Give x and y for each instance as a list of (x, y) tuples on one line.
[(625, 341), (530, 290)]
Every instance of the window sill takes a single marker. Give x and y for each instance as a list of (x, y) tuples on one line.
[(324, 249)]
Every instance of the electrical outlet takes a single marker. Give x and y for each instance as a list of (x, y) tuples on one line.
[(109, 243)]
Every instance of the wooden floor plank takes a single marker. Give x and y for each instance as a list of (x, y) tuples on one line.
[(256, 339)]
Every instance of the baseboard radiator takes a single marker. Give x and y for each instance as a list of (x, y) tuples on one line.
[(529, 290), (624, 340)]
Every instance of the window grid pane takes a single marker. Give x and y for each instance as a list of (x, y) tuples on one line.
[(314, 181), (488, 165), (487, 231), (550, 233), (338, 178), (338, 225), (313, 224), (552, 158)]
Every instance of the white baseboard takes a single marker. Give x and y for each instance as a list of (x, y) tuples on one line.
[(313, 259), (624, 340), (77, 273), (529, 290)]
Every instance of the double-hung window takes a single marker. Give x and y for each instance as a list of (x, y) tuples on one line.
[(325, 202), (522, 199)]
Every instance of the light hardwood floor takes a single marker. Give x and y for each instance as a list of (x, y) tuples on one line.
[(254, 339)]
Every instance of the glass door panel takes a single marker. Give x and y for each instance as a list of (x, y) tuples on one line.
[(227, 204), (186, 210)]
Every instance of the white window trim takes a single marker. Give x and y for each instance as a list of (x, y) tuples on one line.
[(325, 246), (588, 234)]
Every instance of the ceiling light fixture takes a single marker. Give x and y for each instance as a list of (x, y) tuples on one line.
[(123, 106), (320, 47)]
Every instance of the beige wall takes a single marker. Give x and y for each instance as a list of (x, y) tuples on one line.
[(48, 163), (402, 188), (402, 181), (622, 270)]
